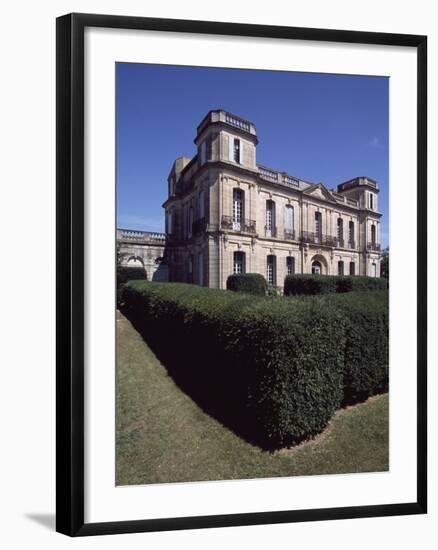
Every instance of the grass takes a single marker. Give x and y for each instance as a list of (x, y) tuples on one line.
[(163, 436)]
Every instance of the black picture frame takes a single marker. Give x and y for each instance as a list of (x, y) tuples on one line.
[(70, 273)]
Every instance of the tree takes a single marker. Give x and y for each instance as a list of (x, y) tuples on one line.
[(384, 263)]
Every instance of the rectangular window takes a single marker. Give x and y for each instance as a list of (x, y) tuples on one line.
[(271, 275), (318, 227), (290, 265), (340, 268), (239, 262), (340, 232), (236, 151), (352, 268), (270, 219), (371, 201), (351, 234), (288, 219), (237, 209)]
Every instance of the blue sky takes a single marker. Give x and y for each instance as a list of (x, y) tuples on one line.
[(321, 128)]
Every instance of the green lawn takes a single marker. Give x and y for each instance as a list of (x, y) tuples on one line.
[(163, 436)]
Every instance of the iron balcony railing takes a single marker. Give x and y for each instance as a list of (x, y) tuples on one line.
[(351, 244), (289, 235), (318, 238), (339, 242), (373, 246), (271, 232), (240, 226)]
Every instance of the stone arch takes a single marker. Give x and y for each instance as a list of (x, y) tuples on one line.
[(318, 260), (135, 261)]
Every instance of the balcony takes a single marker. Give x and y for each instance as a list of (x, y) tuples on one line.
[(289, 235), (240, 226), (271, 232), (373, 246), (318, 238)]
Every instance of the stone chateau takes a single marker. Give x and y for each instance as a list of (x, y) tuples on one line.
[(227, 214)]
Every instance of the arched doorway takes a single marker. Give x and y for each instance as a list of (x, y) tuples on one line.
[(316, 267), (319, 265)]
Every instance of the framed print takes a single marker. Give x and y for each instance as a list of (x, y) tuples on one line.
[(241, 274)]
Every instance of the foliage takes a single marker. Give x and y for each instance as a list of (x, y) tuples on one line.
[(384, 263), (295, 285), (251, 283), (268, 365), (366, 316), (155, 419), (125, 274)]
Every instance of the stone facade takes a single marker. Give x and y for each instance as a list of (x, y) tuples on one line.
[(143, 249), (225, 213)]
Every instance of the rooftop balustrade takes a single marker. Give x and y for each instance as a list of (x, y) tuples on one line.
[(140, 236)]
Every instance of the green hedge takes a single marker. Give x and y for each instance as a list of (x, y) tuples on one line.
[(252, 283), (125, 274), (366, 316), (295, 285), (266, 367)]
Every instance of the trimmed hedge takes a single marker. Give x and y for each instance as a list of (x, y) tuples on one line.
[(266, 367), (295, 285), (251, 283), (125, 274), (366, 353)]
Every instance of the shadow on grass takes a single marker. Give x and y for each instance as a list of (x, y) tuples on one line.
[(218, 388)]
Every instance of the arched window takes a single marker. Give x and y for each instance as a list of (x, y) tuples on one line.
[(288, 222), (271, 270), (238, 204), (239, 262), (270, 229), (340, 233), (352, 268), (351, 234), (290, 265), (318, 227), (340, 267)]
